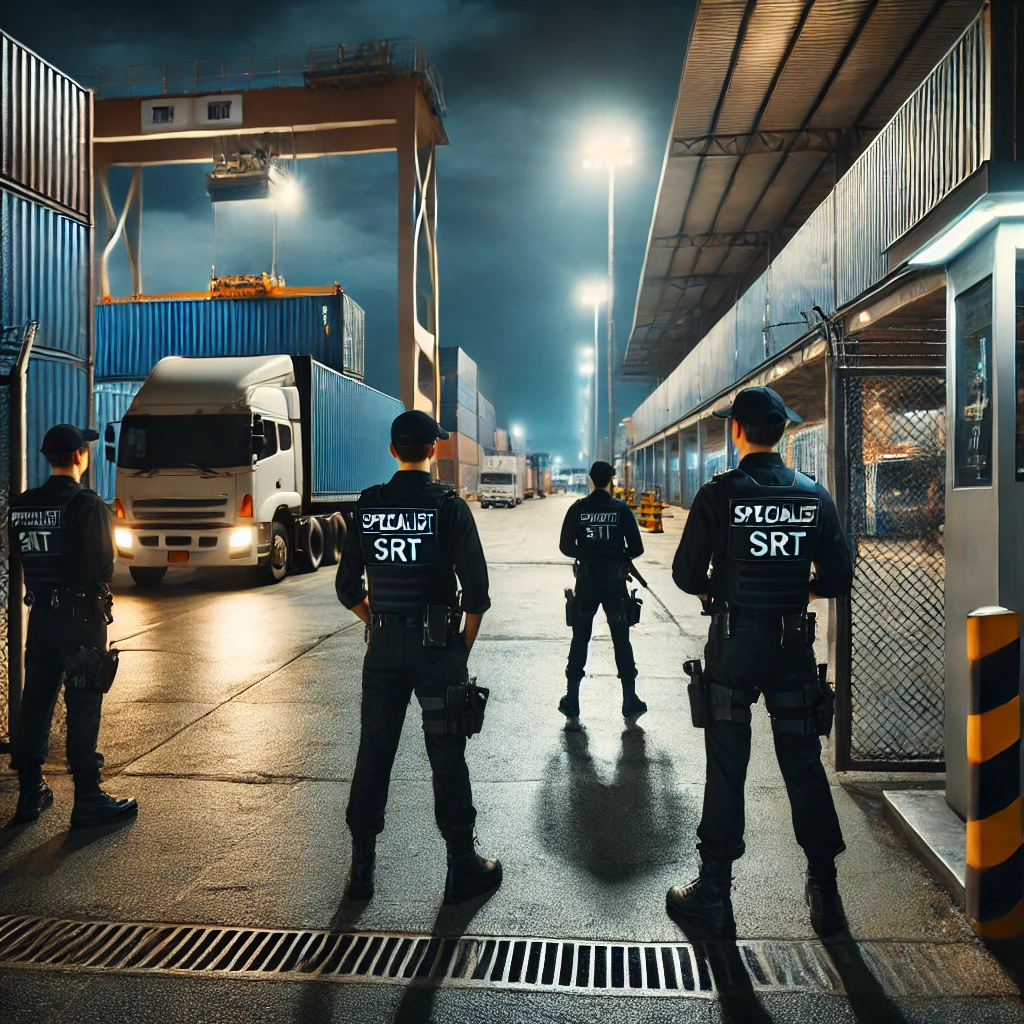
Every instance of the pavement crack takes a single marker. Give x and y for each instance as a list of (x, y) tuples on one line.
[(245, 689)]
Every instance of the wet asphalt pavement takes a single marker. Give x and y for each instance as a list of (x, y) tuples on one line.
[(234, 720)]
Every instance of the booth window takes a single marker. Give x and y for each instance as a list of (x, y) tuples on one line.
[(972, 446), (1019, 366)]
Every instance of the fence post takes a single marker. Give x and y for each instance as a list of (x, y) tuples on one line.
[(994, 883)]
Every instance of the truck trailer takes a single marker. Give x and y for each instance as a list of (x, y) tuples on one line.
[(502, 479), (243, 461)]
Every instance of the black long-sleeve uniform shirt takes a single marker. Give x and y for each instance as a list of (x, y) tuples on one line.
[(459, 540), (705, 537), (569, 542), (87, 522)]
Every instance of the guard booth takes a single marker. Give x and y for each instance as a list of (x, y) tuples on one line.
[(891, 318)]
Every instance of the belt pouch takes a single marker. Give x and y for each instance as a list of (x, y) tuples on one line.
[(798, 630), (435, 625)]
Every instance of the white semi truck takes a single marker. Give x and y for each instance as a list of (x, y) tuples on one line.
[(502, 480), (243, 461)]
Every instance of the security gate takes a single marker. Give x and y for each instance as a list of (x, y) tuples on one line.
[(890, 458)]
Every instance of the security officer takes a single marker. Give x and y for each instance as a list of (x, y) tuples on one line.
[(412, 537), (601, 534), (762, 527), (61, 533)]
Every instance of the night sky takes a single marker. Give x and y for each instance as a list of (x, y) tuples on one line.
[(521, 224)]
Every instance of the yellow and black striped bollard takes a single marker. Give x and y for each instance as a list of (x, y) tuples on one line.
[(995, 861)]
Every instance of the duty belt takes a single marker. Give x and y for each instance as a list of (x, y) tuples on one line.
[(611, 570), (78, 603), (381, 619)]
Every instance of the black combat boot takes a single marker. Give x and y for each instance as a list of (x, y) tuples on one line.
[(34, 796), (705, 900), (94, 807), (822, 892), (569, 705), (469, 874), (360, 871), (632, 708)]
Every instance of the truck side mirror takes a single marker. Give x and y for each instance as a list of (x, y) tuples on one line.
[(109, 442), (108, 433), (259, 434)]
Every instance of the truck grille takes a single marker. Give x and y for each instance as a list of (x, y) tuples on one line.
[(179, 510)]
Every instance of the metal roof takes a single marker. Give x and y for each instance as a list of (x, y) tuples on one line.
[(777, 98)]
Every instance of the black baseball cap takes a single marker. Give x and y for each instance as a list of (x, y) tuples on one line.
[(759, 407), (601, 473), (66, 438), (414, 428)]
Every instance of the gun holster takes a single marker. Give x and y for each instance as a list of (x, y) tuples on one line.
[(465, 706), (697, 692), (631, 605), (825, 709), (570, 601), (89, 668)]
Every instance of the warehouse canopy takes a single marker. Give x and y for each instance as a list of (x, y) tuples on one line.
[(777, 99)]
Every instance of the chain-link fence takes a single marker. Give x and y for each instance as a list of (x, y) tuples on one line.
[(894, 453)]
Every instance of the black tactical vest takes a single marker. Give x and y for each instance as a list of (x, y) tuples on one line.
[(39, 535), (773, 535), (406, 567), (599, 533)]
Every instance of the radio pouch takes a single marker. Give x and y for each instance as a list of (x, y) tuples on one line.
[(435, 625)]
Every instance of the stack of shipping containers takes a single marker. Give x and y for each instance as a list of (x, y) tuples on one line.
[(459, 456), (46, 237), (45, 260), (485, 426), (133, 335)]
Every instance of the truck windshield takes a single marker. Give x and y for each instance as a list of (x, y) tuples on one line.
[(496, 478), (176, 442)]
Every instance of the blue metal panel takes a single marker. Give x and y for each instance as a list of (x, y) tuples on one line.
[(485, 410), (751, 313), (44, 273), (110, 401), (131, 337), (351, 432), (56, 393)]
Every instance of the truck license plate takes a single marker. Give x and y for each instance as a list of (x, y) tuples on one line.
[(177, 556)]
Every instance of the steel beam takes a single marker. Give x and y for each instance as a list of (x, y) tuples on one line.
[(716, 240), (804, 140)]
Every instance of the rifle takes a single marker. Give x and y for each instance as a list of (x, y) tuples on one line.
[(632, 571)]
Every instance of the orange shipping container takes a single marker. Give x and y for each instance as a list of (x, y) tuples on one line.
[(459, 448)]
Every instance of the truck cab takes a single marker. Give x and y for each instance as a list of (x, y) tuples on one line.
[(210, 471)]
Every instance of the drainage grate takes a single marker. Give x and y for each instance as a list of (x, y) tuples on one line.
[(650, 969)]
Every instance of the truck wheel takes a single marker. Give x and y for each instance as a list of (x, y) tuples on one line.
[(312, 553), (276, 567), (334, 538), (147, 575), (483, 504)]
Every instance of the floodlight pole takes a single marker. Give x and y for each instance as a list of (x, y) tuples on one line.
[(609, 370)]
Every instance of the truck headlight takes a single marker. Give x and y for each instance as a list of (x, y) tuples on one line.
[(123, 539), (240, 538)]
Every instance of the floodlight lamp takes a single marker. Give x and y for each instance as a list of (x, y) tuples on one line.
[(593, 293)]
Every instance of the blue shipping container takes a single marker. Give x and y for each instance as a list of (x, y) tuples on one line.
[(110, 401), (57, 392), (456, 390), (350, 426), (132, 337), (460, 419), (44, 274), (455, 363)]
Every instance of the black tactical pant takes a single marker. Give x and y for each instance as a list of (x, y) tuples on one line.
[(753, 661), (52, 635), (396, 666), (593, 592)]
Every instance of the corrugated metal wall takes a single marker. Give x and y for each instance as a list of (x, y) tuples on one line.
[(45, 129), (351, 434), (131, 337), (110, 401), (935, 141), (44, 274)]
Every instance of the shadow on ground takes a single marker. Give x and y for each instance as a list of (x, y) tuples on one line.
[(618, 827)]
